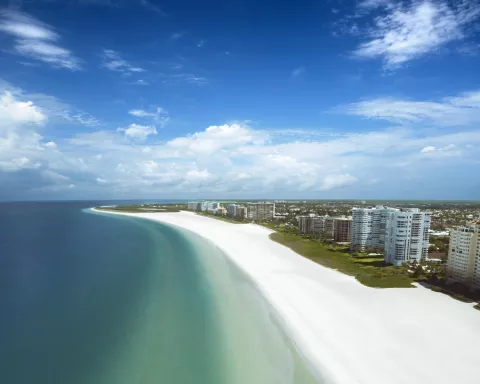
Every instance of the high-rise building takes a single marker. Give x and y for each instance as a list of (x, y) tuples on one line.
[(342, 230), (369, 227), (260, 211), (325, 227), (463, 263), (212, 206), (406, 236), (194, 206), (232, 210), (241, 212)]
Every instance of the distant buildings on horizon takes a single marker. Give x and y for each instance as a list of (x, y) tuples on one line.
[(259, 211), (401, 234)]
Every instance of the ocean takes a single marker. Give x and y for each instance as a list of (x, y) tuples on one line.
[(92, 298)]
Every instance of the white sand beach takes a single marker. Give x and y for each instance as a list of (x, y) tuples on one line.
[(350, 333)]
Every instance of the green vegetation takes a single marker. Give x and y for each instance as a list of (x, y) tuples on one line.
[(144, 208), (222, 218), (477, 306), (370, 271), (456, 291)]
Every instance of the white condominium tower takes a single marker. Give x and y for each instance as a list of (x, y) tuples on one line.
[(368, 227), (464, 255), (406, 237)]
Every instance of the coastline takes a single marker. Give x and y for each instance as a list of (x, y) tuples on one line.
[(348, 332)]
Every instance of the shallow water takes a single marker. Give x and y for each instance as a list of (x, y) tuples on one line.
[(95, 298)]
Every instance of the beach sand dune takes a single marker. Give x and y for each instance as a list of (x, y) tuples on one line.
[(348, 332)]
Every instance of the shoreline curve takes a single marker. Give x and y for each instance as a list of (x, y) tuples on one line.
[(346, 332)]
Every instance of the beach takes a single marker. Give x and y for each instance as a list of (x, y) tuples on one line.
[(348, 333)]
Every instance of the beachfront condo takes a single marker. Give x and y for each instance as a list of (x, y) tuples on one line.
[(406, 236), (463, 263), (368, 227), (260, 211)]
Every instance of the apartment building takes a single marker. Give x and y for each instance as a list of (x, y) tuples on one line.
[(260, 211), (242, 212), (406, 236), (368, 227), (326, 226), (463, 263), (232, 210), (342, 230), (194, 206)]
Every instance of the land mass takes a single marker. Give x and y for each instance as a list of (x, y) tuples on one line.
[(348, 332)]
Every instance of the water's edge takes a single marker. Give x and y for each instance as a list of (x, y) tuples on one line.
[(219, 267)]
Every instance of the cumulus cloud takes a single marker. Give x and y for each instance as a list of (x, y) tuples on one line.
[(406, 30), (36, 40), (138, 132), (463, 109), (19, 112), (231, 159)]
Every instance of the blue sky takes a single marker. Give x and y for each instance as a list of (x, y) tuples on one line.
[(245, 99)]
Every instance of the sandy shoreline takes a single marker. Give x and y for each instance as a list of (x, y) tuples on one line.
[(349, 332)]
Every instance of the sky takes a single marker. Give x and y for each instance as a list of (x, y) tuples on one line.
[(118, 99)]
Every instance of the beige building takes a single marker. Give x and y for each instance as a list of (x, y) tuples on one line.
[(241, 212), (260, 211), (326, 227), (463, 263), (342, 230)]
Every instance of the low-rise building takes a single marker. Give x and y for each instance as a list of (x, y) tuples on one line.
[(463, 263)]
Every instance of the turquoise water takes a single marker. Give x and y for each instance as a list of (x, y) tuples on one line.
[(95, 298)]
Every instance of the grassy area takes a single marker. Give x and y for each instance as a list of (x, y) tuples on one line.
[(370, 271), (222, 218), (143, 208)]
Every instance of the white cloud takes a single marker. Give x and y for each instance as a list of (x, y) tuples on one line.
[(17, 164), (232, 159), (190, 78), (158, 114), (24, 26), (337, 181), (460, 110), (138, 132), (113, 62), (19, 112), (35, 40), (141, 82), (51, 144), (56, 110), (427, 149), (404, 31), (200, 43), (448, 150)]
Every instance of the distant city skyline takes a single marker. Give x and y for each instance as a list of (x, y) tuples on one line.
[(365, 100)]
